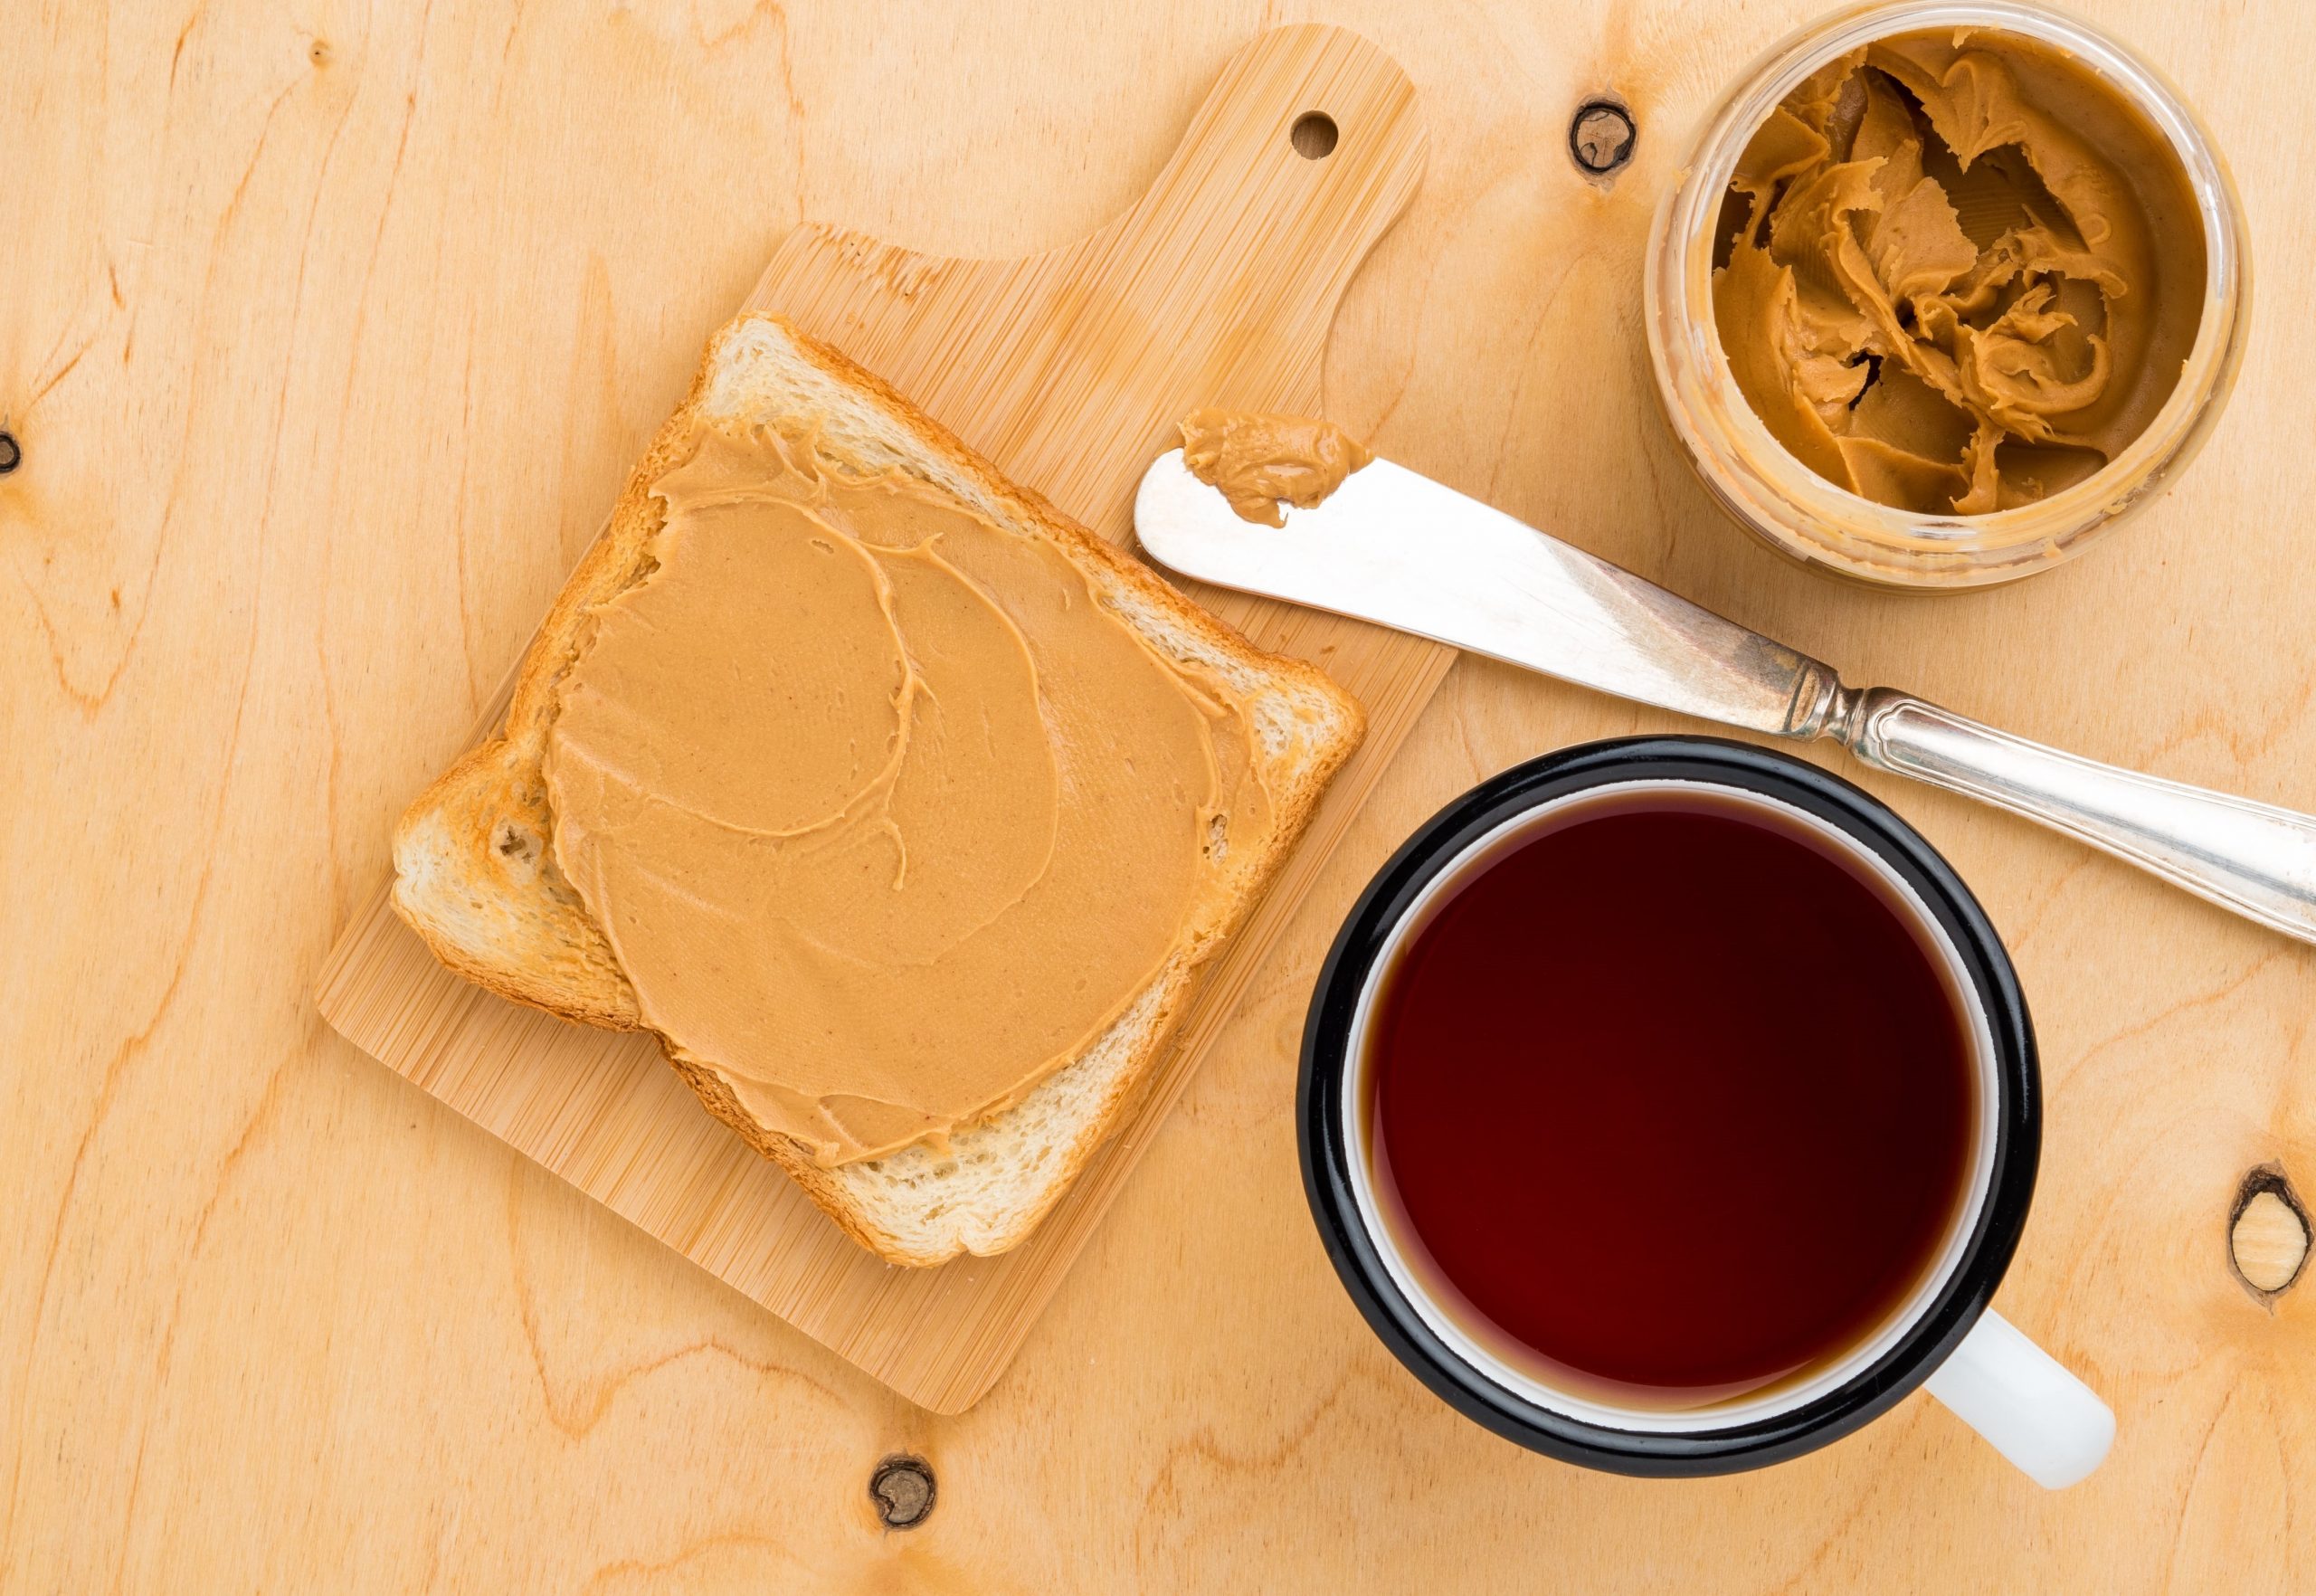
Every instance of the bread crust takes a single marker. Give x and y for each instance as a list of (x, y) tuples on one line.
[(488, 814)]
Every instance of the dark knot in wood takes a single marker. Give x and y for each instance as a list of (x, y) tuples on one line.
[(902, 1488), (2268, 1234), (1600, 136)]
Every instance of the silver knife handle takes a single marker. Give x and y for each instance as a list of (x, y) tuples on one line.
[(2255, 858)]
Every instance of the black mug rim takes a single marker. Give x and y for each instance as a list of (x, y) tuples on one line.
[(1325, 1154)]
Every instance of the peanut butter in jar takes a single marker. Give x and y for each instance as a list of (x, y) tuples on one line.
[(1944, 291)]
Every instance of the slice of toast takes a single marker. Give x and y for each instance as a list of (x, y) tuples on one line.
[(475, 868)]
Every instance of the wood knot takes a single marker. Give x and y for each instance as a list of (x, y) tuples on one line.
[(2268, 1234), (1601, 136), (902, 1488), (12, 453)]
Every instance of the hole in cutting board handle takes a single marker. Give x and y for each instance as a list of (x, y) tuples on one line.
[(1313, 136)]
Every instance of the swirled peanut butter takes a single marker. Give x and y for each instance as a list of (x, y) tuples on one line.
[(885, 812), (1256, 461), (1962, 274)]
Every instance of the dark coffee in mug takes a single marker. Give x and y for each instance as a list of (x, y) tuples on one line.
[(1671, 1097)]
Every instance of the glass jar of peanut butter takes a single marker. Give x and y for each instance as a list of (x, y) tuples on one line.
[(1945, 291)]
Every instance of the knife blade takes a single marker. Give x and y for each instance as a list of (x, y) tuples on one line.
[(1397, 548)]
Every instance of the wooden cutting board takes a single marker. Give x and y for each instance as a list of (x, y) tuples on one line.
[(1069, 370)]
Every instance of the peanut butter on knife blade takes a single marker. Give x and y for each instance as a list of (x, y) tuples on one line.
[(1259, 460)]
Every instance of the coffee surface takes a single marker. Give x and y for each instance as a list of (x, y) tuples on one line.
[(1671, 1101)]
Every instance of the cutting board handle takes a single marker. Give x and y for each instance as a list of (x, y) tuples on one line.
[(1216, 287)]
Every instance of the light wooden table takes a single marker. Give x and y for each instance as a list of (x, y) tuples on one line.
[(328, 330)]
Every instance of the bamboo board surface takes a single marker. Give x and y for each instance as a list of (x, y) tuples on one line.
[(330, 331), (1068, 369)]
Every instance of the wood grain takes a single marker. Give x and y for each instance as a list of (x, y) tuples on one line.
[(1068, 370), (330, 331)]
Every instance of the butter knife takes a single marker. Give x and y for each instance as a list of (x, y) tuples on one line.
[(1400, 550)]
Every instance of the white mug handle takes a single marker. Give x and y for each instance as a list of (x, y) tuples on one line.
[(2025, 1402)]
